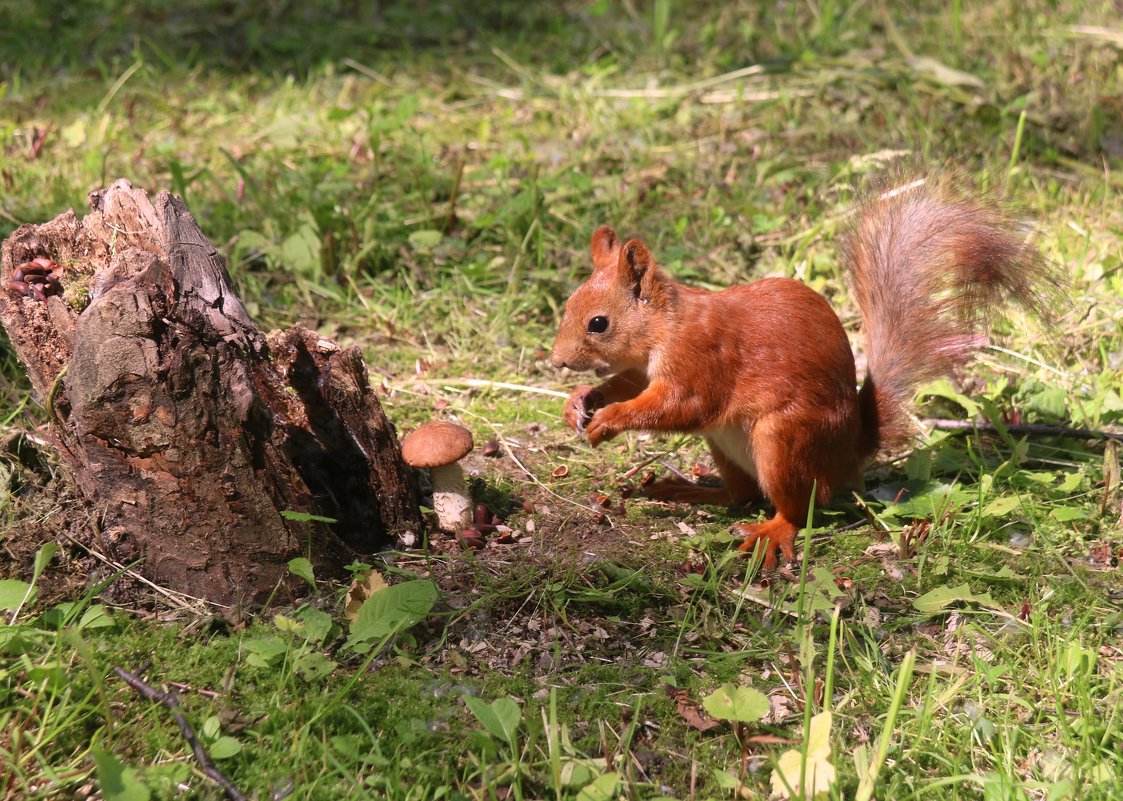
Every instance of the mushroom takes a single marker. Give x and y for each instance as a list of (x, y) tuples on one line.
[(437, 446)]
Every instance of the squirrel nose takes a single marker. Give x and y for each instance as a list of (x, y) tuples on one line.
[(557, 361)]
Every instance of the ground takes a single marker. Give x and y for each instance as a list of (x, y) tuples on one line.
[(422, 180)]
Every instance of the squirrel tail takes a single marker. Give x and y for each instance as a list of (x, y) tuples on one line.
[(927, 264)]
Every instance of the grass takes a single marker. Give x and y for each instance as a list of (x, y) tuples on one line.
[(422, 179)]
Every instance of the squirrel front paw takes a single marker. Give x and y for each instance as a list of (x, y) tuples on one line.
[(604, 425), (582, 403)]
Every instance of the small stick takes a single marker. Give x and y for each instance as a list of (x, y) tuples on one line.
[(479, 383), (644, 464), (171, 701), (187, 688), (676, 472), (1043, 429)]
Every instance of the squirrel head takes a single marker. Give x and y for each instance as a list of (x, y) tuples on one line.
[(612, 321)]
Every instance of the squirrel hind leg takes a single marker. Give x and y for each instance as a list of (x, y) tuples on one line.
[(772, 537), (682, 490), (737, 487)]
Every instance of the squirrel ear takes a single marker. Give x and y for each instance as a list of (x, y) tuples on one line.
[(637, 267), (605, 247)]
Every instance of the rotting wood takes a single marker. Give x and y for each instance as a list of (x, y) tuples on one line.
[(187, 430)]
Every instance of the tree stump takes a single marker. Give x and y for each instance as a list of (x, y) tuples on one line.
[(187, 430)]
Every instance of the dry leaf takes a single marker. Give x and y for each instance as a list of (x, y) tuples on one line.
[(689, 710), (820, 774), (364, 586), (779, 708)]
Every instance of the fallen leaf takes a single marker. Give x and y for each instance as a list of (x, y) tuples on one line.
[(779, 708), (365, 585), (819, 772), (689, 710)]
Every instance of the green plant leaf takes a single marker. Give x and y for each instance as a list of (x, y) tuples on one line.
[(306, 517), (1047, 402), (602, 788), (1063, 514), (265, 651), (1002, 506), (313, 666), (727, 781), (942, 388), (303, 568), (1078, 660), (935, 600), (211, 727), (740, 704), (425, 239), (300, 250), (117, 783), (13, 593), (96, 617), (578, 772), (501, 717), (931, 500), (390, 610), (43, 558), (317, 624), (224, 748)]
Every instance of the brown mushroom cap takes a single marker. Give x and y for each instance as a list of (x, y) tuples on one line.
[(436, 444)]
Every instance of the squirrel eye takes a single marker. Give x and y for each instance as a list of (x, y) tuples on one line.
[(598, 325)]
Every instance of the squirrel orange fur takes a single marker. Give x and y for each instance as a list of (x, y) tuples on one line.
[(764, 371)]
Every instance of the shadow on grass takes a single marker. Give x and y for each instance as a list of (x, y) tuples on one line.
[(282, 35)]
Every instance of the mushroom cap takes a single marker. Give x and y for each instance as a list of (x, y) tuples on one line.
[(436, 444)]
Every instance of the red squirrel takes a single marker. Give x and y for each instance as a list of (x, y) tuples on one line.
[(764, 371)]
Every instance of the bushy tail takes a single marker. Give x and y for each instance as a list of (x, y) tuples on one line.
[(927, 264)]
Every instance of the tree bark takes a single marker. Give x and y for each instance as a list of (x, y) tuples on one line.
[(187, 430)]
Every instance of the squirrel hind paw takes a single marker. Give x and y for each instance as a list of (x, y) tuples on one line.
[(775, 536)]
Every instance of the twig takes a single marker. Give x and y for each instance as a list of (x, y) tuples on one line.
[(363, 69), (1043, 429), (679, 90), (171, 595), (645, 463), (510, 452), (187, 688), (676, 472), (479, 383), (171, 701)]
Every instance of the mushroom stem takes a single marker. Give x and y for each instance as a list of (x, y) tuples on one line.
[(451, 501)]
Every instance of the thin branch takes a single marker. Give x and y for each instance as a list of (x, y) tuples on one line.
[(1042, 429), (479, 383), (173, 596), (171, 701)]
